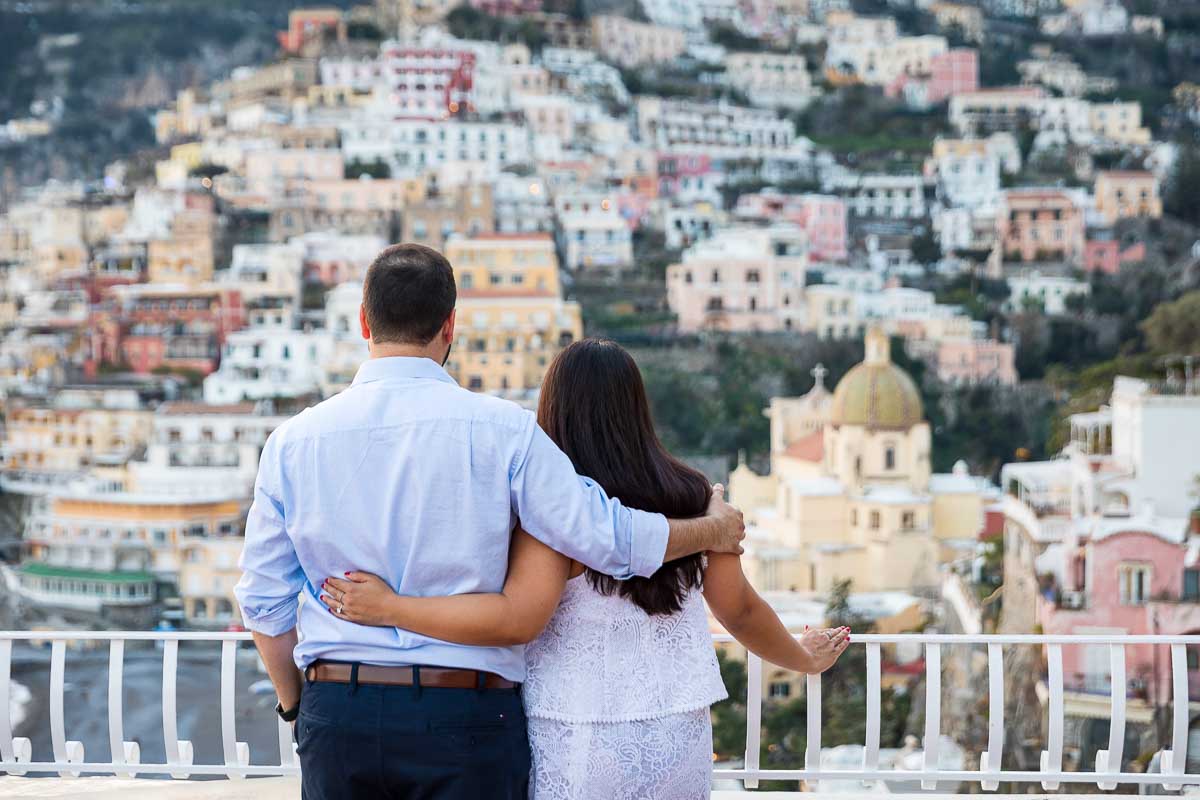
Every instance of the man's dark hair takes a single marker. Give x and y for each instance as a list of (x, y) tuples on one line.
[(408, 294)]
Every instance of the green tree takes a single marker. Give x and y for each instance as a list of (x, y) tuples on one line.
[(1182, 196), (925, 247), (729, 715), (375, 169), (1175, 327)]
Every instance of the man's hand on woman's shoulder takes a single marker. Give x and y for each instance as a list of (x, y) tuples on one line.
[(720, 530), (729, 527)]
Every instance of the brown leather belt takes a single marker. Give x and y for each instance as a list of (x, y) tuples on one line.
[(430, 677)]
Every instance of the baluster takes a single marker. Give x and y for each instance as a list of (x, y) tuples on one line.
[(812, 746), (874, 688), (933, 710), (179, 753), (1109, 761), (990, 761), (1174, 761), (123, 752), (237, 754), (753, 715), (1052, 759), (12, 750), (65, 752), (287, 745)]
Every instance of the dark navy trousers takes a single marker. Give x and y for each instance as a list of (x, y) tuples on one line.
[(407, 743)]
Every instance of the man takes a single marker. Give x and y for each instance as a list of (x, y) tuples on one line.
[(422, 482)]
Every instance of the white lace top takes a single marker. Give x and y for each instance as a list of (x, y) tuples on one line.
[(603, 659)]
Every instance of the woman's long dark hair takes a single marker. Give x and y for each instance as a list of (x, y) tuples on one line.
[(593, 405)]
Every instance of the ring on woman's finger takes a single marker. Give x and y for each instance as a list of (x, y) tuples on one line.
[(339, 609)]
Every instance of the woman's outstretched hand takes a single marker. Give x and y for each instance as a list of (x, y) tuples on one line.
[(824, 646), (360, 597)]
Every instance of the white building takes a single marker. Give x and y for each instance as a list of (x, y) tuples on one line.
[(596, 238), (269, 270), (331, 257), (1132, 463), (415, 147), (348, 350), (688, 223), (967, 171), (770, 79), (668, 123), (268, 363), (1049, 291), (197, 447), (882, 195), (870, 49), (674, 13), (521, 204)]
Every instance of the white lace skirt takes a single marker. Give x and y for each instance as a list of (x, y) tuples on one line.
[(669, 758)]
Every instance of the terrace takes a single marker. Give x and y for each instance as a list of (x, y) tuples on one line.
[(113, 771)]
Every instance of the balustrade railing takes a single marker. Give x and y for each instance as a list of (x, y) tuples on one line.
[(123, 758)]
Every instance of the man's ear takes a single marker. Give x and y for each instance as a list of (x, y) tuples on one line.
[(448, 327), (362, 323)]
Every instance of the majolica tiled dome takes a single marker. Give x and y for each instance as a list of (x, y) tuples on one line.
[(877, 393)]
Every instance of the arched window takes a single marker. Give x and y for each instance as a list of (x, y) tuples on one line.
[(889, 458)]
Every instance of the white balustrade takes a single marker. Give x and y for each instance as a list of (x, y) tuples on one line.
[(125, 758)]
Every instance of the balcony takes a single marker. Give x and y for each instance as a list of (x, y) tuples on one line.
[(210, 664)]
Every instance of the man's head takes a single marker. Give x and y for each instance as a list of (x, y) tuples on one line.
[(408, 302)]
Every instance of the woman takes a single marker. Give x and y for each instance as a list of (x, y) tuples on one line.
[(621, 674)]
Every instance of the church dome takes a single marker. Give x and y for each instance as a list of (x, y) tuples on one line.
[(877, 393)]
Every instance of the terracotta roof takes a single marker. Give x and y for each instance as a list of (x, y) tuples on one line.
[(809, 448), (1125, 173), (204, 408)]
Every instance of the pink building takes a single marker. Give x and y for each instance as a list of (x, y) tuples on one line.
[(741, 279), (1041, 225), (687, 176), (1106, 255), (1104, 540), (974, 361), (1128, 579), (952, 72), (821, 216)]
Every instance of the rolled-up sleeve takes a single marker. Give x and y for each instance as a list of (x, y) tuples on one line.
[(268, 591), (575, 516)]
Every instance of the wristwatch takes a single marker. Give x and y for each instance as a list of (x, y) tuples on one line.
[(290, 714)]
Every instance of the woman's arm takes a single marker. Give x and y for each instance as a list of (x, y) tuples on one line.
[(754, 624), (536, 577)]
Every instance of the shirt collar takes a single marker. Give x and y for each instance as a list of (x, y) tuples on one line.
[(400, 368)]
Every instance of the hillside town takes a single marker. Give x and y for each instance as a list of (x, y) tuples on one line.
[(916, 204)]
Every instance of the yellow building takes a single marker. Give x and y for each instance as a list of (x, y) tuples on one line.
[(464, 210), (512, 318), (175, 170), (1118, 123), (45, 439), (851, 493), (208, 571), (1126, 194), (121, 556), (186, 257)]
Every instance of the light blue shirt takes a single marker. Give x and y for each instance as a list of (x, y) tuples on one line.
[(409, 476)]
